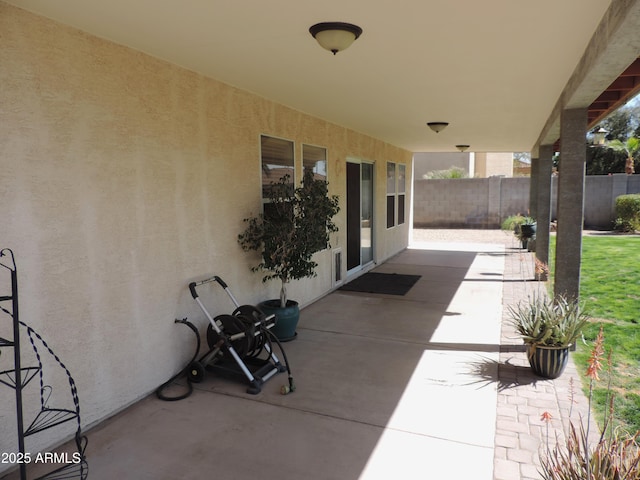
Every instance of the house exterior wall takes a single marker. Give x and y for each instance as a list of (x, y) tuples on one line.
[(494, 164), (124, 178)]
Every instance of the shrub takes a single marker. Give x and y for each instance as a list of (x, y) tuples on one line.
[(453, 172), (627, 213), (510, 223)]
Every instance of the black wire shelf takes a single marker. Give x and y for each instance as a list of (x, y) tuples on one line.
[(18, 378), (8, 377), (48, 418)]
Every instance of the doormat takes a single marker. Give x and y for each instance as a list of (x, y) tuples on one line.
[(383, 283)]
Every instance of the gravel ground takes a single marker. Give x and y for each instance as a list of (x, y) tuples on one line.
[(479, 236), (462, 235)]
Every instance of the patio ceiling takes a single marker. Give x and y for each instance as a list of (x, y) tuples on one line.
[(498, 71)]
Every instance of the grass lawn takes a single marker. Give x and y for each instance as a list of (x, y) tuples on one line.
[(610, 289)]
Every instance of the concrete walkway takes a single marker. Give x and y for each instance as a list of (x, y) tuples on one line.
[(427, 385)]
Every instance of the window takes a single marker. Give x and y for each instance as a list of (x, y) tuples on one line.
[(401, 193), (391, 194), (315, 160), (396, 194), (277, 161)]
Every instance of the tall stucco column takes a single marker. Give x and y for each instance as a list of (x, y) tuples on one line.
[(533, 188), (543, 206), (573, 152)]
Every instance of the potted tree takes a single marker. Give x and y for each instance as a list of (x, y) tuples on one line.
[(295, 224), (549, 328)]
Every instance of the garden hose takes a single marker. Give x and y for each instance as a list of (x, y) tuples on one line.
[(161, 388), (285, 389), (248, 347)]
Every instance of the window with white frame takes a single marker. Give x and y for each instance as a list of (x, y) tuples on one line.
[(314, 159), (277, 161), (396, 194), (391, 194), (401, 193)]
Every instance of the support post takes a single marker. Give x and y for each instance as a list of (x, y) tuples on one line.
[(543, 209), (573, 126), (534, 180)]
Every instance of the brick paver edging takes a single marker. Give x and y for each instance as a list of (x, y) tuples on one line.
[(522, 396)]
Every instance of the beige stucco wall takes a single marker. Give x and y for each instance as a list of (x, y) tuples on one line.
[(123, 178), (494, 163)]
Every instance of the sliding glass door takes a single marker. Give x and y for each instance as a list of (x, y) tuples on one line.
[(360, 220)]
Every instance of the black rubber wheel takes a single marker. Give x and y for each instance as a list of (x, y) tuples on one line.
[(195, 373)]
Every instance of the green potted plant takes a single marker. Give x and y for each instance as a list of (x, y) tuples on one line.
[(295, 224), (512, 223), (549, 327), (526, 231)]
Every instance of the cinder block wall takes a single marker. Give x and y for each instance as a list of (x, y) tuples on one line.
[(486, 202), (451, 203), (514, 198)]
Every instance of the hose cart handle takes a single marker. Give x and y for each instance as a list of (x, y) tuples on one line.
[(215, 278)]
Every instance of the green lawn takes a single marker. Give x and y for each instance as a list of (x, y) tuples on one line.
[(610, 289)]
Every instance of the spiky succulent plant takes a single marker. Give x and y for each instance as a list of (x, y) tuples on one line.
[(552, 322)]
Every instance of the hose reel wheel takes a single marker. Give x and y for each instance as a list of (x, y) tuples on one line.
[(195, 372), (250, 312), (234, 325)]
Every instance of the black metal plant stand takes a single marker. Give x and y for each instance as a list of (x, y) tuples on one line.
[(17, 378)]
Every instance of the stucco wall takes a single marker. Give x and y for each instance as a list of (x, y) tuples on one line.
[(123, 179), (495, 163)]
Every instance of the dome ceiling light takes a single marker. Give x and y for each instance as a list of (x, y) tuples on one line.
[(335, 36), (437, 126)]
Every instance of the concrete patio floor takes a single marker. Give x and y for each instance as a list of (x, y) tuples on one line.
[(426, 385)]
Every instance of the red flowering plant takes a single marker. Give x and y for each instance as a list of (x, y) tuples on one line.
[(616, 453)]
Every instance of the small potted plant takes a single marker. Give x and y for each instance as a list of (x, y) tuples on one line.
[(523, 227), (526, 231), (512, 223), (295, 224), (549, 327)]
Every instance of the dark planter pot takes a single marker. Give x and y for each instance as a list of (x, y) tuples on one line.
[(527, 231), (548, 362), (286, 318)]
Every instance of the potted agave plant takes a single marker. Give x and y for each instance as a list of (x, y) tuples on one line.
[(295, 224), (549, 328)]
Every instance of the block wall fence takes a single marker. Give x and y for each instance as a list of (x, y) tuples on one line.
[(486, 202)]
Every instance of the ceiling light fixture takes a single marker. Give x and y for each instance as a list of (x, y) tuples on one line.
[(462, 148), (437, 126), (335, 36)]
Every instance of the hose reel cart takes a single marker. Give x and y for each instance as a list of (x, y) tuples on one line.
[(240, 344)]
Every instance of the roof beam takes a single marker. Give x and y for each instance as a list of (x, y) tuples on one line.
[(613, 48)]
